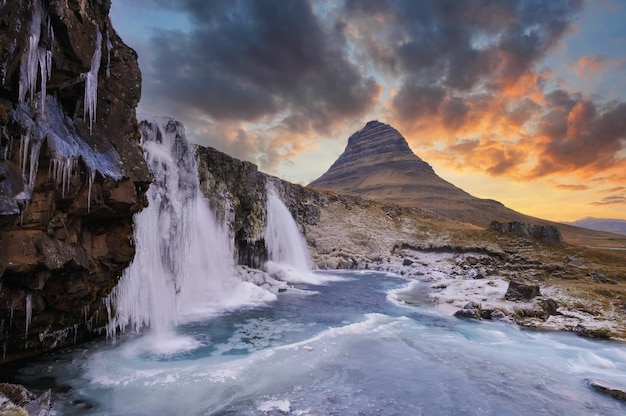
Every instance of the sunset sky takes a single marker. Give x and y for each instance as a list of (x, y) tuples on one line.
[(523, 101)]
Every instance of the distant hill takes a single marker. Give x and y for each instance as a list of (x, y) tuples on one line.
[(602, 224), (378, 164)]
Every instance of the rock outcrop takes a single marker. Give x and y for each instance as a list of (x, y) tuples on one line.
[(71, 170), (237, 193), (547, 234)]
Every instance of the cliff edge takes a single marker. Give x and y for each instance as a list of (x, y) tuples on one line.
[(71, 170)]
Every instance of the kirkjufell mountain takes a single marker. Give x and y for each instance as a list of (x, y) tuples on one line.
[(379, 164)]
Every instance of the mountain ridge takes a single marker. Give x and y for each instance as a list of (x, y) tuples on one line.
[(610, 225), (378, 164)]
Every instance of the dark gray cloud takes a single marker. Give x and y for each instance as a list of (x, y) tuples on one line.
[(461, 46), (247, 59)]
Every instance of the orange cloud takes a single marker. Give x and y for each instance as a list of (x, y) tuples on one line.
[(590, 65)]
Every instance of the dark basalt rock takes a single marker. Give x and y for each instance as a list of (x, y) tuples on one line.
[(547, 234), (521, 292), (63, 247), (607, 388), (237, 192)]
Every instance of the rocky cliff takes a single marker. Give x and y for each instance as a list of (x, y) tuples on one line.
[(71, 170)]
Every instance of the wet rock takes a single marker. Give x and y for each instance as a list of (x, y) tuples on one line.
[(521, 292), (15, 400), (618, 392), (590, 331), (497, 315), (471, 260), (470, 310)]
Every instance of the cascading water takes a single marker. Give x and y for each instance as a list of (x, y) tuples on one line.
[(283, 239), (287, 252), (184, 264)]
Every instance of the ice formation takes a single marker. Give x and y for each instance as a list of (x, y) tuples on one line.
[(91, 83), (36, 57), (29, 312), (64, 144)]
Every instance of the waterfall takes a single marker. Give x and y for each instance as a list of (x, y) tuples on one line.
[(285, 244), (184, 263)]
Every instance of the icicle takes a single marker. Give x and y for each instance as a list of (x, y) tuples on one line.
[(24, 144), (91, 83), (62, 170), (35, 149), (12, 309), (109, 48), (90, 179), (36, 57), (29, 312)]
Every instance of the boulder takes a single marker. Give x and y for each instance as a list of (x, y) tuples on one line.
[(470, 310), (15, 400), (521, 292)]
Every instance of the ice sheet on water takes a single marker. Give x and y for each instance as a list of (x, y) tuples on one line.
[(257, 334), (279, 405)]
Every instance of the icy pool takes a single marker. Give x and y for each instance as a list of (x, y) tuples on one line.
[(343, 348)]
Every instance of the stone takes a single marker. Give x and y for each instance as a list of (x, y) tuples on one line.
[(618, 392), (16, 400), (517, 291), (407, 262), (497, 315), (470, 310), (550, 306), (589, 331)]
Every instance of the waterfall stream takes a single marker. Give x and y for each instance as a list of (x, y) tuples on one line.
[(184, 263)]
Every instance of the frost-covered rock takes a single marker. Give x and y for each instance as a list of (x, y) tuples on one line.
[(71, 171), (15, 400)]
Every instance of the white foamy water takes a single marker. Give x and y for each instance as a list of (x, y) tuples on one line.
[(287, 251), (184, 263)]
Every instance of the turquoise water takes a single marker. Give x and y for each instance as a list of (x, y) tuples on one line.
[(344, 348)]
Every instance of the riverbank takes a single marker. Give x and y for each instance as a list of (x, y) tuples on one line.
[(578, 289)]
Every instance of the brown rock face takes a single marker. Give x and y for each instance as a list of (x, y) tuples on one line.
[(71, 170)]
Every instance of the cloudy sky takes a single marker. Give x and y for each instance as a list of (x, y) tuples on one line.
[(523, 101)]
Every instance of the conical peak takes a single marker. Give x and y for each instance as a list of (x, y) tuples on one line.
[(378, 143), (376, 134)]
